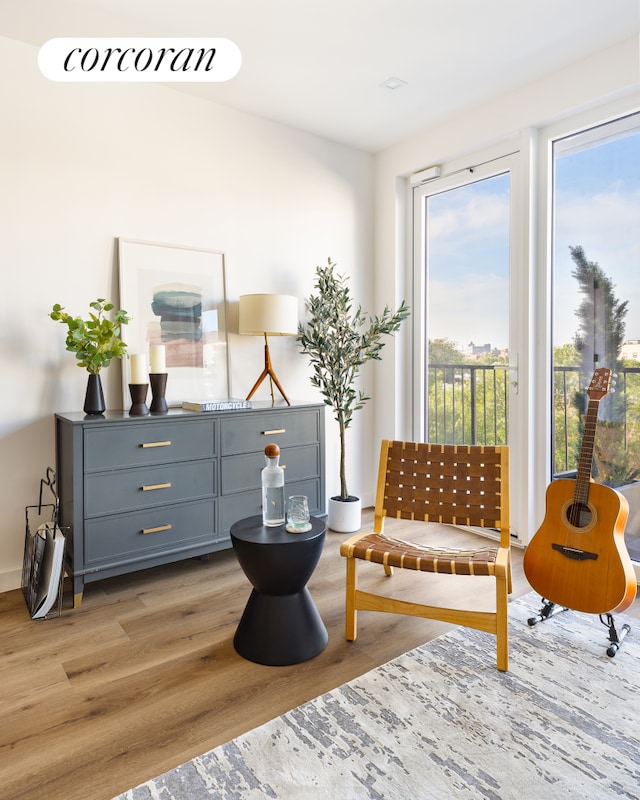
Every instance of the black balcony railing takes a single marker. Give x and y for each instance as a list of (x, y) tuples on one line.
[(619, 430), (468, 405)]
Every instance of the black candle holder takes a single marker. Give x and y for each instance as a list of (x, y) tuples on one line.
[(158, 388), (138, 393)]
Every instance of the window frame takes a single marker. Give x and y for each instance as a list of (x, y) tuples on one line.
[(543, 243), (513, 159)]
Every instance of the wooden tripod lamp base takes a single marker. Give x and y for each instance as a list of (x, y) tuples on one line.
[(268, 315), (268, 371)]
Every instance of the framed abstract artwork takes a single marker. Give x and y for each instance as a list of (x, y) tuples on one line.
[(176, 297)]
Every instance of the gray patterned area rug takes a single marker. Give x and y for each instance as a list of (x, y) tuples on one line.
[(441, 722)]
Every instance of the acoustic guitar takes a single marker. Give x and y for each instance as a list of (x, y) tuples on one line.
[(578, 558)]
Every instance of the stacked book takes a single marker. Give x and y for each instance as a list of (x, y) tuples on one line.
[(230, 404)]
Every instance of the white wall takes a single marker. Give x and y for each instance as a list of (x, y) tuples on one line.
[(506, 124), (84, 164)]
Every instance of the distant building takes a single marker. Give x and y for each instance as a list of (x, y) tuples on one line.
[(474, 351), (478, 349), (631, 350)]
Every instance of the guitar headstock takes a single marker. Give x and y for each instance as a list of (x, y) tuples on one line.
[(599, 385)]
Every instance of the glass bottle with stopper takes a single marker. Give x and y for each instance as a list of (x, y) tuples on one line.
[(272, 488)]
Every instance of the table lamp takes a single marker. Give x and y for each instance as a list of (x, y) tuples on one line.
[(268, 315)]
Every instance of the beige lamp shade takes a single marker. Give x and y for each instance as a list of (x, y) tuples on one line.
[(268, 314)]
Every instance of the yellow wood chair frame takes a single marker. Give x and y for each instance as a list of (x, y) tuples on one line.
[(457, 485)]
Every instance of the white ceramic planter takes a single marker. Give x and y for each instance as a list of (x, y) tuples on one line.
[(344, 516)]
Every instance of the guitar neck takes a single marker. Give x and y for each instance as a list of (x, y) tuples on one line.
[(583, 477)]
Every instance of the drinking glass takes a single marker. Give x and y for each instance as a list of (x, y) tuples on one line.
[(298, 519)]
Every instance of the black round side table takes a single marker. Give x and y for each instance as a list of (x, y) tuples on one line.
[(280, 624)]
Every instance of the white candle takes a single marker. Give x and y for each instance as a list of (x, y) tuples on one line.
[(158, 359), (139, 368)]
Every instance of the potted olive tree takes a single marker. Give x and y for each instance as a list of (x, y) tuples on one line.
[(95, 342), (338, 341)]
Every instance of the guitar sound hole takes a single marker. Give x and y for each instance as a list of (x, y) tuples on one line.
[(579, 515)]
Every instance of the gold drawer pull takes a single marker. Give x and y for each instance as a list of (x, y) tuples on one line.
[(155, 444), (156, 486), (269, 433), (158, 529)]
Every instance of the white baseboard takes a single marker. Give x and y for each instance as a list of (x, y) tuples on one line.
[(10, 580)]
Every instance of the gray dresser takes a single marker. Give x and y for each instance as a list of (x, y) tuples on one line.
[(136, 492)]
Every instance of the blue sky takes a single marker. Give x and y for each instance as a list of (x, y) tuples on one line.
[(469, 263), (598, 207)]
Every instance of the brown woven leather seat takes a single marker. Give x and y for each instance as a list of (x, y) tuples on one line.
[(381, 549), (465, 486)]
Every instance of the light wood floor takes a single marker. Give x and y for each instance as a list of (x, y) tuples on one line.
[(143, 676)]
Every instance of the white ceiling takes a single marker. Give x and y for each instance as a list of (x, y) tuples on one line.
[(318, 65)]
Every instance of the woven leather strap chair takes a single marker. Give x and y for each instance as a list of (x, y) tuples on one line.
[(451, 484)]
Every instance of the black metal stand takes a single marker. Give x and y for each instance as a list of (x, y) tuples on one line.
[(547, 611), (42, 586), (550, 609), (615, 637)]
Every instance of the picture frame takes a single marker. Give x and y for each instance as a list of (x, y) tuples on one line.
[(176, 296)]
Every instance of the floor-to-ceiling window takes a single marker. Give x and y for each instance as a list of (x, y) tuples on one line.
[(596, 303), (466, 334), (467, 312), (463, 266)]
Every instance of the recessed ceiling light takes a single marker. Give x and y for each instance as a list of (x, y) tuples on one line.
[(393, 83)]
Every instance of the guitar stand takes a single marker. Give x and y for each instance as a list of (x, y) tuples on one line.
[(550, 609), (547, 611), (616, 638)]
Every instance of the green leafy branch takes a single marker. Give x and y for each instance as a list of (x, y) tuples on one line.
[(339, 341), (96, 340)]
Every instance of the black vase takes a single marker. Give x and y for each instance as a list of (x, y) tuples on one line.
[(94, 398)]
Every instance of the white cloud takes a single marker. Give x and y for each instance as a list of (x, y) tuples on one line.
[(471, 311), (469, 306), (487, 213), (607, 227)]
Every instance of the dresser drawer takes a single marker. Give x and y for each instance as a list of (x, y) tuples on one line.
[(238, 506), (127, 490), (148, 443), (242, 472), (121, 537), (252, 433)]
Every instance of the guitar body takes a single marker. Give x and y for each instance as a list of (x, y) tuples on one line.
[(578, 558)]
